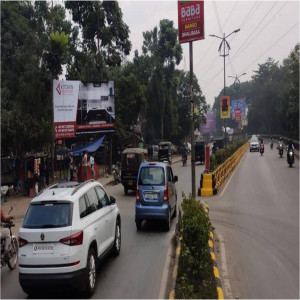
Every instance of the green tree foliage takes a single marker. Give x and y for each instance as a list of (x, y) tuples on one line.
[(105, 38), (30, 59)]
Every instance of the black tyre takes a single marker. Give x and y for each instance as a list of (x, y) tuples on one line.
[(138, 224), (117, 242), (13, 255), (91, 273), (175, 211), (126, 190)]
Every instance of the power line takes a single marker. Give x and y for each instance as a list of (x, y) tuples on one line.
[(244, 46), (217, 16), (236, 2)]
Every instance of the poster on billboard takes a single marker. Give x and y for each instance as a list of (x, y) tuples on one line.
[(238, 104), (81, 108), (65, 100), (225, 107), (190, 21), (210, 125)]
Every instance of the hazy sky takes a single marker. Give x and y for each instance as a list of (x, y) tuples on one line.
[(267, 29)]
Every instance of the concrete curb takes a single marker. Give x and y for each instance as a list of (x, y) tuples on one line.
[(213, 257)]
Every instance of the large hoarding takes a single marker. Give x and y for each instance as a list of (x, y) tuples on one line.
[(238, 105), (81, 108), (190, 21), (210, 125)]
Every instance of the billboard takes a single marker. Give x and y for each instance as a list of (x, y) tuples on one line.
[(81, 108), (238, 104), (225, 107), (190, 21), (210, 125)]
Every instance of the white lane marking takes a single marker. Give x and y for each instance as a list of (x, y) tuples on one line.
[(225, 277)]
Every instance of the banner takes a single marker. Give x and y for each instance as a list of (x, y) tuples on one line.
[(83, 108), (238, 104), (225, 107), (65, 100), (210, 125), (190, 21)]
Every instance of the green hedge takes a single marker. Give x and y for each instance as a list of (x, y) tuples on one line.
[(195, 279), (222, 154)]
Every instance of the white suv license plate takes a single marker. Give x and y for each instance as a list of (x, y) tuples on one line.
[(43, 248)]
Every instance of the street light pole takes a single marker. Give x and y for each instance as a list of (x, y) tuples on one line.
[(224, 43), (236, 80)]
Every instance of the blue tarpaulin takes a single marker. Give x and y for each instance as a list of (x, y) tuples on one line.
[(91, 147)]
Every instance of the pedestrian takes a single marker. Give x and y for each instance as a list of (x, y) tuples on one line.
[(92, 162), (47, 170), (71, 167), (84, 164)]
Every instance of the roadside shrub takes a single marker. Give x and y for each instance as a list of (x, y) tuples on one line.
[(222, 154), (195, 278)]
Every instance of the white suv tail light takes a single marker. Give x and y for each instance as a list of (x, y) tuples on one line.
[(73, 240)]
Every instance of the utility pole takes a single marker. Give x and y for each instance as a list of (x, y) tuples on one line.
[(192, 122), (236, 80), (225, 45)]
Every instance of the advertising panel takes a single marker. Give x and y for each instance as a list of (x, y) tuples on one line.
[(237, 114), (81, 108), (225, 107), (238, 104), (210, 125), (65, 100), (190, 21)]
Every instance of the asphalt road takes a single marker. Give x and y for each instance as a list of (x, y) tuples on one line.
[(256, 220), (137, 273)]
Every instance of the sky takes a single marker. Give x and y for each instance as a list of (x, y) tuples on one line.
[(267, 29)]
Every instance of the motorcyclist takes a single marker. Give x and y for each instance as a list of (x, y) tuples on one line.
[(5, 231), (261, 143), (290, 146), (280, 143), (185, 150)]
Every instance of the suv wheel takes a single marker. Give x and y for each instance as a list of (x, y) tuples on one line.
[(117, 242), (91, 273), (175, 211)]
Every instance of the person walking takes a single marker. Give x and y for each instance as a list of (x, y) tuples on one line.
[(84, 164), (92, 162)]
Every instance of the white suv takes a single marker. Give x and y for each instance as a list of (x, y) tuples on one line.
[(67, 227)]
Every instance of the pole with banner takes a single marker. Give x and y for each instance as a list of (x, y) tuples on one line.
[(191, 28)]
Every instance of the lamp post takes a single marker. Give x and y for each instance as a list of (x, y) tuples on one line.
[(236, 80), (225, 45)]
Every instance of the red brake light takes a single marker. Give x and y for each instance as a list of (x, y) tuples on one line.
[(166, 196), (137, 195), (73, 240), (22, 242)]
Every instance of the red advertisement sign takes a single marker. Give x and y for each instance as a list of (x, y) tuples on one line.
[(64, 130), (190, 21), (237, 114)]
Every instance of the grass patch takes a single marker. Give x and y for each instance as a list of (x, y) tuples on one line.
[(195, 279)]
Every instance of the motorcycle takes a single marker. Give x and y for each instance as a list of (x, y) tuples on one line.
[(290, 157), (261, 149), (280, 150), (271, 145), (116, 173), (184, 159), (9, 252)]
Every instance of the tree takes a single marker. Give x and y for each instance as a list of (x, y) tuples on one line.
[(105, 38)]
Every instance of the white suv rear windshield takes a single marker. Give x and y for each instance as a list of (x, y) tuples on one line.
[(48, 215)]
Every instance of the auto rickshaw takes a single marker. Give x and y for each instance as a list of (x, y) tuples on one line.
[(165, 152), (131, 160), (199, 152)]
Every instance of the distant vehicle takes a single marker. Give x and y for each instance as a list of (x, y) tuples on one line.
[(67, 227), (156, 196), (200, 152), (155, 152), (165, 152), (131, 160), (254, 144)]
